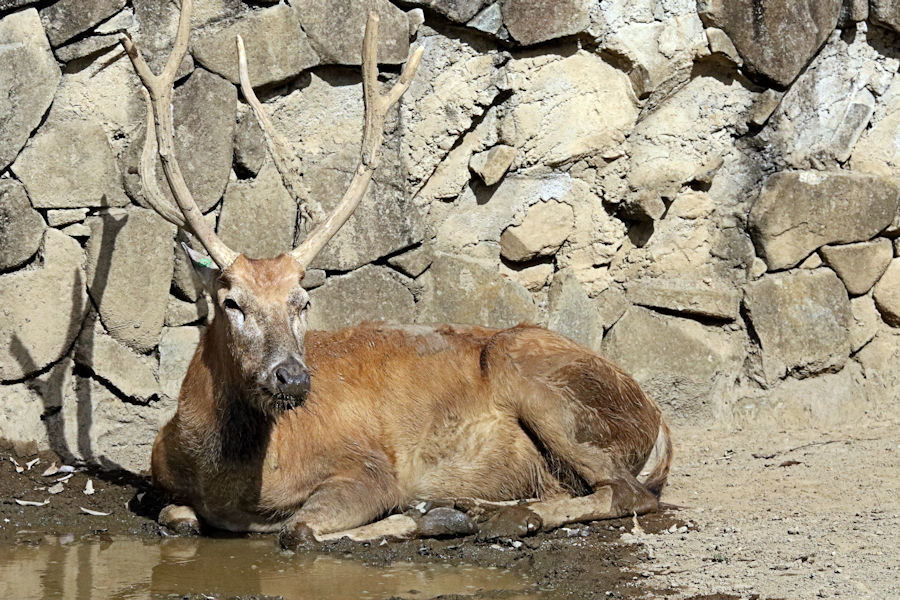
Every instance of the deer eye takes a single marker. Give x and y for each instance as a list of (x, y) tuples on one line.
[(233, 310)]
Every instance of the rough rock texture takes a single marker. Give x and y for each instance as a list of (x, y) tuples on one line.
[(545, 228), (21, 227), (886, 12), (414, 262), (685, 296), (368, 294), (678, 362), (28, 80), (877, 151), (798, 212), (859, 265), (572, 313), (176, 348), (465, 292), (39, 323), (276, 46), (69, 164), (533, 21), (456, 10), (64, 19), (321, 20), (491, 165), (775, 39), (802, 319), (129, 270), (130, 373), (887, 294), (865, 321), (258, 215)]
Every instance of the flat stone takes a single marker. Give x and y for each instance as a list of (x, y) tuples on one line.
[(277, 48), (533, 21), (887, 294), (258, 215), (644, 206), (760, 33), (463, 291), (42, 308), (132, 374), (59, 217), (21, 227), (532, 277), (369, 293), (886, 13), (802, 320), (566, 110), (720, 43), (321, 20), (64, 19), (572, 313), (414, 262), (686, 296), (798, 212), (455, 10), (864, 325), (176, 349), (28, 80), (491, 165), (313, 279), (545, 228), (489, 20), (678, 362), (249, 143), (859, 265), (129, 271), (68, 164), (179, 312), (86, 47)]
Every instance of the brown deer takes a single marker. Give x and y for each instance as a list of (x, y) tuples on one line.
[(315, 433)]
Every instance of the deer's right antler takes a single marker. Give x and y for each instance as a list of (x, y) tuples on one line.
[(377, 106), (158, 91)]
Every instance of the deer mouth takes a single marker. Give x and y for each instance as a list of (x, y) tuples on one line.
[(285, 402)]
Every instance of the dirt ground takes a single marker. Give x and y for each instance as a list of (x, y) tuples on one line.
[(764, 514)]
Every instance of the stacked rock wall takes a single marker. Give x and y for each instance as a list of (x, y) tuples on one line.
[(704, 191)]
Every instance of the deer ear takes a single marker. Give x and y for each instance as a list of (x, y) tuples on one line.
[(205, 268)]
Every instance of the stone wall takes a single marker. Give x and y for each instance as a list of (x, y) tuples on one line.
[(704, 191)]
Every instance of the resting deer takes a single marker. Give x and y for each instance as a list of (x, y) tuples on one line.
[(314, 433)]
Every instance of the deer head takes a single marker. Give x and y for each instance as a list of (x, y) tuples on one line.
[(260, 305)]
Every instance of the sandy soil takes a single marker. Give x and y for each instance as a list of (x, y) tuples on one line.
[(766, 514)]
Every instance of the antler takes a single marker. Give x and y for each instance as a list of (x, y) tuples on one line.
[(377, 106), (158, 91)]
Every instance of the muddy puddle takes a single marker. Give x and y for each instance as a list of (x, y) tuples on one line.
[(63, 568)]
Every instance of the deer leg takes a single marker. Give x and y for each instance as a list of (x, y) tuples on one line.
[(339, 505), (180, 519)]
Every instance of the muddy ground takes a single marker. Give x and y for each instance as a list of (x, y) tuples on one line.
[(765, 514)]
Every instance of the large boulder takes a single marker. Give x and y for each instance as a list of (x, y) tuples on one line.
[(321, 20), (64, 19), (367, 294), (463, 291), (21, 227), (859, 265), (678, 362), (799, 211), (28, 80), (802, 320), (533, 21), (69, 163), (776, 38), (129, 272), (258, 215), (277, 49), (42, 308)]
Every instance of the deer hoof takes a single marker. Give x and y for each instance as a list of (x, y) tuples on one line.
[(298, 536), (510, 522), (180, 520), (445, 522)]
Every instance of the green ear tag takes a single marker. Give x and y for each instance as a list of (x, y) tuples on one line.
[(205, 262)]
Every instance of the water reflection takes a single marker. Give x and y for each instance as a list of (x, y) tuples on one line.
[(140, 569)]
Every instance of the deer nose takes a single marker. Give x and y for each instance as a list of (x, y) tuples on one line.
[(292, 378)]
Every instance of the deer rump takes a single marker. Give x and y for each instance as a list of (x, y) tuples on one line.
[(396, 415)]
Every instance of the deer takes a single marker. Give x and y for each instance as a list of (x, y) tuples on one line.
[(324, 434)]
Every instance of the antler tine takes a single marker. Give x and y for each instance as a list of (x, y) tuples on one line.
[(147, 170), (376, 108), (160, 88), (287, 163)]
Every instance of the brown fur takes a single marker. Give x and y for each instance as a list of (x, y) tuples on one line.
[(397, 414)]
